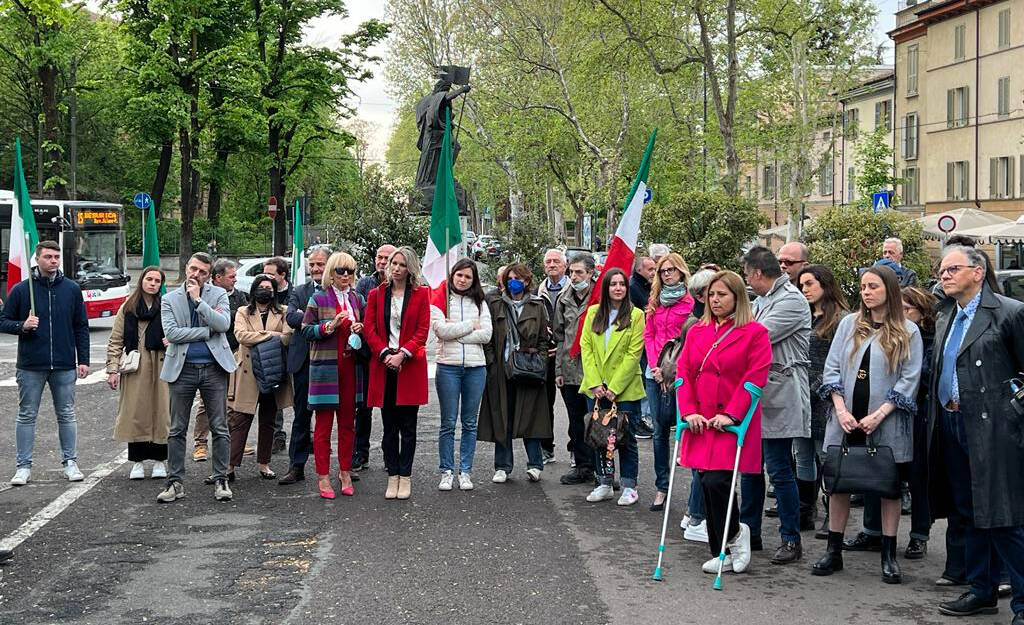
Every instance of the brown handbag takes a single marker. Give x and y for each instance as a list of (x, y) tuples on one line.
[(604, 427)]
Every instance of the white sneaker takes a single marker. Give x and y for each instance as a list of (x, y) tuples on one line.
[(465, 483), (173, 492), (533, 475), (740, 549), (72, 473), (697, 533), (159, 470), (446, 481), (500, 477), (629, 497), (602, 492), (21, 476), (711, 566), (138, 472), (684, 522)]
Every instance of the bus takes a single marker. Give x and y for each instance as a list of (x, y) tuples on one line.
[(92, 245)]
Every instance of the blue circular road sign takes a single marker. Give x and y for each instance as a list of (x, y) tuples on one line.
[(648, 195), (143, 200)]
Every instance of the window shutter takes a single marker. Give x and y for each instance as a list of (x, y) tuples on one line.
[(950, 186), (949, 108), (993, 177), (966, 182), (1009, 176), (967, 105), (903, 138)]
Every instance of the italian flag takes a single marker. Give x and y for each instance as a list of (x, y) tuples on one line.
[(622, 249), (23, 222), (298, 257), (445, 231)]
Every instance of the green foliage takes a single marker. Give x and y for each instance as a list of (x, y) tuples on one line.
[(874, 166), (234, 238), (525, 240), (844, 239), (704, 227)]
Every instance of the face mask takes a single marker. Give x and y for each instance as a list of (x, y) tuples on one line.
[(515, 287), (580, 286), (354, 341), (263, 296)]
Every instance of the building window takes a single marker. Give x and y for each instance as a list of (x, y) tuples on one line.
[(883, 114), (912, 70), (909, 132), (851, 123), (768, 182), (1000, 177), (851, 184), (959, 47), (957, 181), (958, 107), (750, 187), (826, 175), (1003, 106), (1004, 28), (911, 186)]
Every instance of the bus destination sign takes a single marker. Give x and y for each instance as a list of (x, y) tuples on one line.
[(95, 217)]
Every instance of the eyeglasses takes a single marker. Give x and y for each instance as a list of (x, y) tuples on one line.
[(343, 271), (669, 271), (786, 263), (952, 270)]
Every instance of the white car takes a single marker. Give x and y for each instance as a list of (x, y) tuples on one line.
[(248, 269), (469, 238)]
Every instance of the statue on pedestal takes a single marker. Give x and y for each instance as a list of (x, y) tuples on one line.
[(431, 112)]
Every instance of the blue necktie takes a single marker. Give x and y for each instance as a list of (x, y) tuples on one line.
[(956, 337)]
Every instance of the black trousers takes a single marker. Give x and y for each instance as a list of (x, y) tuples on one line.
[(302, 443), (364, 426), (715, 486), (399, 439), (548, 444), (576, 407), (137, 452)]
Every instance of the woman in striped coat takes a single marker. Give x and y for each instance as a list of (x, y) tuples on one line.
[(337, 379)]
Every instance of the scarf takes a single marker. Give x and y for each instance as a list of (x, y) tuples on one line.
[(154, 339), (671, 294)]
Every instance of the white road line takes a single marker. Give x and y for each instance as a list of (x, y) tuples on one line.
[(61, 503)]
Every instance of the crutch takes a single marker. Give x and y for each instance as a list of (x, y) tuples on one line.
[(680, 426), (741, 432)]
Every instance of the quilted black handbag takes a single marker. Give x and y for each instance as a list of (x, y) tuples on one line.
[(867, 470), (603, 425)]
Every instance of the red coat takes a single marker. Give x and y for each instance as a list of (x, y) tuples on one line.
[(744, 356), (412, 378)]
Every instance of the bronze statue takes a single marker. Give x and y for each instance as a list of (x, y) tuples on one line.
[(431, 112)]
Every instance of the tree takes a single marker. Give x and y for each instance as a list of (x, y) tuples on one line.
[(874, 167), (525, 240)]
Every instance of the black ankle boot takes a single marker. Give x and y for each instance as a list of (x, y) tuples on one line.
[(891, 573), (832, 561)]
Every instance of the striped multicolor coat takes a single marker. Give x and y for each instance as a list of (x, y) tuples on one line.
[(323, 349)]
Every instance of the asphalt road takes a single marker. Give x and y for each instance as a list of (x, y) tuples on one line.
[(513, 553)]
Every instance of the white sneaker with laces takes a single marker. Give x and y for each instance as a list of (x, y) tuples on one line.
[(172, 492), (500, 477), (697, 533), (21, 476), (138, 472), (685, 521), (72, 473), (533, 475), (711, 566), (629, 497), (446, 481), (159, 470), (465, 482), (740, 549), (600, 493)]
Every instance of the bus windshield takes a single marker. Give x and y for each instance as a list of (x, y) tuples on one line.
[(98, 256)]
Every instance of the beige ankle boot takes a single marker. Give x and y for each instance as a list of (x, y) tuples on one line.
[(392, 490), (404, 487)]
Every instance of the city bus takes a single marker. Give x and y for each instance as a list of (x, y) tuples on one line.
[(91, 237)]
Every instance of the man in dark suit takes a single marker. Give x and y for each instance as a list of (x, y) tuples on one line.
[(979, 349), (298, 365)]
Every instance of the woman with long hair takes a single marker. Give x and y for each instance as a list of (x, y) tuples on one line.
[(397, 325), (260, 320), (668, 311), (143, 408), (725, 350), (828, 307), (513, 408), (332, 324), (610, 346), (871, 376), (462, 328)]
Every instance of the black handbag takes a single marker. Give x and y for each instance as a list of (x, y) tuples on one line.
[(603, 425), (527, 366), (867, 470)]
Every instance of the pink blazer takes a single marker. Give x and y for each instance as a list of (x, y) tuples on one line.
[(664, 324), (744, 356)]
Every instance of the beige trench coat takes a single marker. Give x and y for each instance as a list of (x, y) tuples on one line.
[(143, 409), (243, 393)]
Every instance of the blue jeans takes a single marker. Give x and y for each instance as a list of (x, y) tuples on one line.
[(695, 505), (454, 384), (30, 393), (804, 449), (504, 457), (778, 460), (629, 455), (663, 413)]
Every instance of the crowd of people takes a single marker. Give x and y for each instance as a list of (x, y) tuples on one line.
[(925, 374)]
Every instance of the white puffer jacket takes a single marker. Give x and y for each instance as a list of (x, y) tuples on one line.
[(460, 344)]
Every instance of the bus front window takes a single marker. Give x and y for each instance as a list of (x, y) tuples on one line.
[(98, 256)]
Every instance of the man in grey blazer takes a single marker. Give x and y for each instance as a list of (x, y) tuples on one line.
[(195, 317)]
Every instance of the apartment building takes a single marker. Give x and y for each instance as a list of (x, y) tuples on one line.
[(958, 102)]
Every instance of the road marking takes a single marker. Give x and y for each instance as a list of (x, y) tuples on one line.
[(93, 378), (61, 503)]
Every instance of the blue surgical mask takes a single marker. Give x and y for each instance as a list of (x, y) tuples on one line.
[(581, 285), (355, 341), (514, 286)]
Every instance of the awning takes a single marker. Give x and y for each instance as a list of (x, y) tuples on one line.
[(966, 219), (1008, 233)]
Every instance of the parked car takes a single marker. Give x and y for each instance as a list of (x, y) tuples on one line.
[(248, 269), (486, 246), (469, 238), (1012, 283)]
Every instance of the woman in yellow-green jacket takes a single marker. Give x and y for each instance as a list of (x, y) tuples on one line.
[(611, 344)]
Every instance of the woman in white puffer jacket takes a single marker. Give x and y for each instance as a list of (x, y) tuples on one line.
[(461, 368)]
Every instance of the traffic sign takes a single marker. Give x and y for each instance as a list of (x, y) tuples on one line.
[(648, 194), (142, 200), (946, 224), (880, 200), (272, 207)]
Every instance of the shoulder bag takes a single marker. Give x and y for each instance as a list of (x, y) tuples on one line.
[(129, 361), (670, 352), (867, 470), (527, 366)]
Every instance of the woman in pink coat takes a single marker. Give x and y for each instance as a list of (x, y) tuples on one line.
[(723, 351)]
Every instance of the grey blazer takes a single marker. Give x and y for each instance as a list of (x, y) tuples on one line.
[(214, 321), (786, 404)]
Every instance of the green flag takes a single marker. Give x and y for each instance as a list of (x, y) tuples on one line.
[(151, 243), (445, 231), (24, 236), (298, 258)]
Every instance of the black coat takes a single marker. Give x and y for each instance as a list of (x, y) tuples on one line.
[(639, 292), (991, 354), (298, 348)]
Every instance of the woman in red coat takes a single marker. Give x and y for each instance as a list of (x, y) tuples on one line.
[(726, 349), (396, 326)]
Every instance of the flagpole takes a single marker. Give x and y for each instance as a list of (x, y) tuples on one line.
[(31, 289)]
